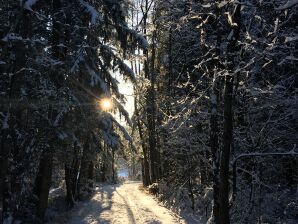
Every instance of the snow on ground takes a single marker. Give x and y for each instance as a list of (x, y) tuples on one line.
[(122, 204)]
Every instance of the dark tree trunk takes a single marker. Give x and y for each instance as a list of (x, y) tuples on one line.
[(146, 62), (8, 184), (113, 167), (153, 169), (103, 172), (228, 120), (5, 150), (69, 184), (214, 127), (133, 168), (191, 194), (44, 176), (204, 172), (43, 183), (215, 158), (147, 168), (86, 176), (142, 168), (291, 172), (103, 164), (225, 154), (75, 176), (57, 77), (145, 164), (91, 173), (83, 178), (151, 117), (146, 177)]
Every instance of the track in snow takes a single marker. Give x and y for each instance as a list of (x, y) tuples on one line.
[(122, 204)]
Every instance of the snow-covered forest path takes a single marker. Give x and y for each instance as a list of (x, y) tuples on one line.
[(121, 204)]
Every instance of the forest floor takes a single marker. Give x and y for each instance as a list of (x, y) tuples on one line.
[(122, 204)]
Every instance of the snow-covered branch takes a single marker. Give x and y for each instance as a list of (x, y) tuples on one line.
[(29, 3), (289, 4)]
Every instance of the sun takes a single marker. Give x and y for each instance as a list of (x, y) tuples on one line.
[(106, 104)]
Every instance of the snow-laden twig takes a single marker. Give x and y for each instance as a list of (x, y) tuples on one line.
[(95, 16), (125, 134), (12, 37), (290, 39), (59, 117), (97, 79), (5, 120), (292, 152), (138, 37), (122, 111)]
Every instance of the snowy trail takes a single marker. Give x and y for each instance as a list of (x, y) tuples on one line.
[(123, 204)]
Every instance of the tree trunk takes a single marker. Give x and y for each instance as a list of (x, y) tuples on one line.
[(103, 172), (215, 150), (225, 154), (43, 183), (133, 168), (8, 185), (84, 174), (56, 35), (151, 117), (113, 167), (44, 176), (91, 172), (75, 176), (191, 194), (228, 120), (145, 163), (68, 182), (214, 128), (5, 150), (146, 177)]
